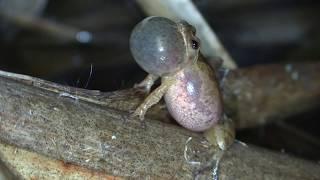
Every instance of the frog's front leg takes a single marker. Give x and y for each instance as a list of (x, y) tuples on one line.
[(147, 83), (222, 134), (153, 98)]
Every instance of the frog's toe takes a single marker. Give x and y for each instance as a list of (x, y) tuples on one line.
[(142, 88), (139, 112), (134, 114)]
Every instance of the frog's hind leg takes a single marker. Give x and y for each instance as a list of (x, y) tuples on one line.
[(147, 83), (152, 99), (222, 134)]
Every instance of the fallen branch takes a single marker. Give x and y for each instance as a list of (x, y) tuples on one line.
[(260, 94), (92, 129), (253, 96)]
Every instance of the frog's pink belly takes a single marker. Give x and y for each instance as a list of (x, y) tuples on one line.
[(194, 105)]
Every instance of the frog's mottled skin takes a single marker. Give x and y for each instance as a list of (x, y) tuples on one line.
[(170, 50)]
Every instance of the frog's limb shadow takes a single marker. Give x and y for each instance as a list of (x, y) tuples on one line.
[(147, 83), (152, 98)]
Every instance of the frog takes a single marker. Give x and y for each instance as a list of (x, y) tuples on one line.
[(170, 50)]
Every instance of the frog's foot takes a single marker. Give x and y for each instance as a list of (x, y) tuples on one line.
[(142, 88), (221, 135), (146, 84), (139, 112)]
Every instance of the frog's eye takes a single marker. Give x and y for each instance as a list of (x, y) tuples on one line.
[(194, 44)]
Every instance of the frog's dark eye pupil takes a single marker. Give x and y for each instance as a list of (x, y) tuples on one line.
[(194, 44)]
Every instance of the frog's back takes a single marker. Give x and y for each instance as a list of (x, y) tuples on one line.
[(194, 100), (157, 45)]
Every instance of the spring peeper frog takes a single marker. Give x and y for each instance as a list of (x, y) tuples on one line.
[(170, 50)]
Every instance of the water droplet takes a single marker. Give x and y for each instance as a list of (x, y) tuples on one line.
[(288, 67), (84, 36)]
